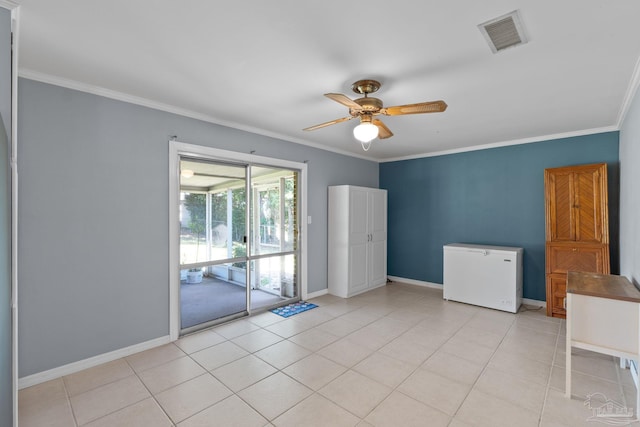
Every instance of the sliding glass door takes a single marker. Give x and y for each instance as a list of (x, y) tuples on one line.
[(238, 240)]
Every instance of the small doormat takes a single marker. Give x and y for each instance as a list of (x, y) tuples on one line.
[(295, 308)]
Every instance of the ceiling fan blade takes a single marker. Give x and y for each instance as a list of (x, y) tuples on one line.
[(344, 100), (419, 108), (383, 130), (332, 122)]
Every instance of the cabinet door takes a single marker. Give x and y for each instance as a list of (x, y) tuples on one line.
[(378, 215), (377, 219), (358, 213), (377, 263), (556, 294), (560, 214), (589, 205), (358, 274), (562, 257), (358, 240)]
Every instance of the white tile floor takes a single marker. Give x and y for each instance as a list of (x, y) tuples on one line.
[(395, 356)]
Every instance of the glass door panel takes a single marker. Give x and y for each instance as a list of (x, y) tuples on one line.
[(274, 235), (273, 279), (213, 254), (274, 210), (212, 211)]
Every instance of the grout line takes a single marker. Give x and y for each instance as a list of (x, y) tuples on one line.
[(620, 386), (546, 391), (586, 374), (149, 391), (206, 371), (66, 392), (157, 403)]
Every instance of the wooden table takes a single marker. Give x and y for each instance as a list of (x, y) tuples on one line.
[(603, 315)]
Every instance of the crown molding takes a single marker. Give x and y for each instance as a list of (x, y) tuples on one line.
[(8, 4), (120, 96), (631, 92), (507, 143), (131, 99)]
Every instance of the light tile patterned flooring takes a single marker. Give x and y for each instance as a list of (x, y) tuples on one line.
[(395, 356)]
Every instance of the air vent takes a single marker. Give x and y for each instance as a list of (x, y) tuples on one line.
[(504, 32)]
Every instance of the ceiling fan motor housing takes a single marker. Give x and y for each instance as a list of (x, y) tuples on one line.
[(368, 105)]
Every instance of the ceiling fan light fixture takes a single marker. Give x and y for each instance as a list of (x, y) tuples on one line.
[(365, 132)]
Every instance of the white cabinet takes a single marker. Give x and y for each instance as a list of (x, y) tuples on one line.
[(357, 240)]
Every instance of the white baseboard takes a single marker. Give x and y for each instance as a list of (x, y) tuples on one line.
[(415, 282), (527, 301), (80, 365), (316, 294), (534, 302)]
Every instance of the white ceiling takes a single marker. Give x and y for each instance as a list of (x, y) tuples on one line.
[(263, 66)]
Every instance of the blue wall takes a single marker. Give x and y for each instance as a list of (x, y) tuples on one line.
[(493, 197)]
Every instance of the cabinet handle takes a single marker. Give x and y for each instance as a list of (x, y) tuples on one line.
[(564, 303)]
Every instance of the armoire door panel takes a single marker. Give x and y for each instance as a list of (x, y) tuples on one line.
[(359, 209), (563, 258), (557, 292), (588, 207), (378, 220), (561, 224), (358, 279), (378, 263)]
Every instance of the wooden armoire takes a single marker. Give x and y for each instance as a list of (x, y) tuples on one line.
[(577, 227)]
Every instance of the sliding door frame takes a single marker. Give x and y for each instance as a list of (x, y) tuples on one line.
[(178, 149), (14, 8)]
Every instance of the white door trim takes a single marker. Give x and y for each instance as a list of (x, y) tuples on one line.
[(177, 149), (13, 142)]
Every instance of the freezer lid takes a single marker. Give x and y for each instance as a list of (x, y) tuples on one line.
[(465, 247)]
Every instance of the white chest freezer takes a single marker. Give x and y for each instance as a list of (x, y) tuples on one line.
[(488, 276)]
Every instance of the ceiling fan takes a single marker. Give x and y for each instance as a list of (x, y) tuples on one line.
[(366, 108)]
